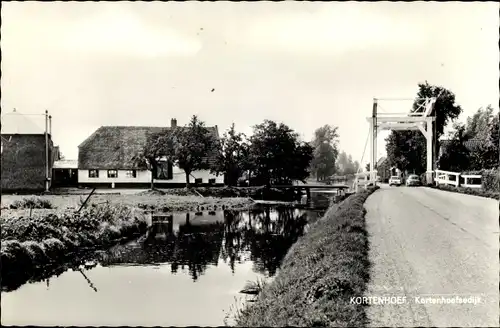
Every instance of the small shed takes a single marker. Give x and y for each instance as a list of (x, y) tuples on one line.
[(65, 173)]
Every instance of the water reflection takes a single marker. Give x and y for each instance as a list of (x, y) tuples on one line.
[(129, 283), (264, 234), (261, 235)]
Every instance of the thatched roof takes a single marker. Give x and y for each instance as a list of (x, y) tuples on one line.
[(471, 144), (114, 147), (381, 160)]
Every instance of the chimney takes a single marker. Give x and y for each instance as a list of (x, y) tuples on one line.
[(173, 123)]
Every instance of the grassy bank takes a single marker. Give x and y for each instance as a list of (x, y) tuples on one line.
[(225, 192), (470, 191), (144, 200), (319, 275), (32, 245)]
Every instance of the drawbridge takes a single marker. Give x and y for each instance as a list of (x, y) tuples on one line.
[(420, 119)]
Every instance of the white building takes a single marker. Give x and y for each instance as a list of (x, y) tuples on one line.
[(106, 159)]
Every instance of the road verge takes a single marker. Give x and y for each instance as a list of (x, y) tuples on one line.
[(470, 191), (320, 274)]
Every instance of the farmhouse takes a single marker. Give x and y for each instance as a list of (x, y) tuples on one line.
[(106, 159), (27, 155), (383, 169)]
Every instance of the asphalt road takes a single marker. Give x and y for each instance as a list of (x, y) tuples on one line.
[(431, 243)]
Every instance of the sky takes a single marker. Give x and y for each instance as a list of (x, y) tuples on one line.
[(305, 64)]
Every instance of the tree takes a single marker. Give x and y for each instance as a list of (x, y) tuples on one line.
[(342, 162), (477, 126), (493, 155), (277, 155), (356, 167), (457, 157), (188, 147), (231, 159), (152, 152), (325, 151), (352, 167), (483, 127), (345, 165), (407, 149)]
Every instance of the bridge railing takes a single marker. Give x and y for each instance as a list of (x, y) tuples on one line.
[(364, 179), (469, 180), (447, 178), (453, 179)]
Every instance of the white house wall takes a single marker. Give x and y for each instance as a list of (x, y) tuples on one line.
[(144, 176)]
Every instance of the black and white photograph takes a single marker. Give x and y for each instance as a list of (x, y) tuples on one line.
[(250, 164)]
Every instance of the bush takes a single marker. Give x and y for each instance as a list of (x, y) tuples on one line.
[(17, 263), (32, 202), (36, 252), (491, 180)]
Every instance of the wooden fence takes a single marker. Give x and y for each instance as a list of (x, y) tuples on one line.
[(458, 179)]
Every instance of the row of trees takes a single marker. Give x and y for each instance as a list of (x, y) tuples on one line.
[(345, 164), (273, 154), (406, 150), (327, 159), (481, 131)]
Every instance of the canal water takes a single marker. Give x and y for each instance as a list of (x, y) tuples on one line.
[(187, 270)]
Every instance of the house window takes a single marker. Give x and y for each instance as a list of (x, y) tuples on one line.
[(112, 174), (131, 174), (211, 181), (164, 171), (198, 181), (93, 173)]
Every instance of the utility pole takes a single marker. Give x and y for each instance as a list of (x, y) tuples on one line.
[(435, 153), (374, 140), (46, 151)]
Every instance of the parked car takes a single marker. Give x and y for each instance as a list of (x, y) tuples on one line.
[(413, 180), (395, 181)]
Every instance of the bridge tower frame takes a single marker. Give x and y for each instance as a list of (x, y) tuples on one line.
[(420, 120)]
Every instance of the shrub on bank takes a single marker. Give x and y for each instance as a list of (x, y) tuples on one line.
[(31, 202), (470, 191), (29, 245), (319, 275)]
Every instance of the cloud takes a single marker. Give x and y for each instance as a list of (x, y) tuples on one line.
[(121, 32), (332, 30)]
